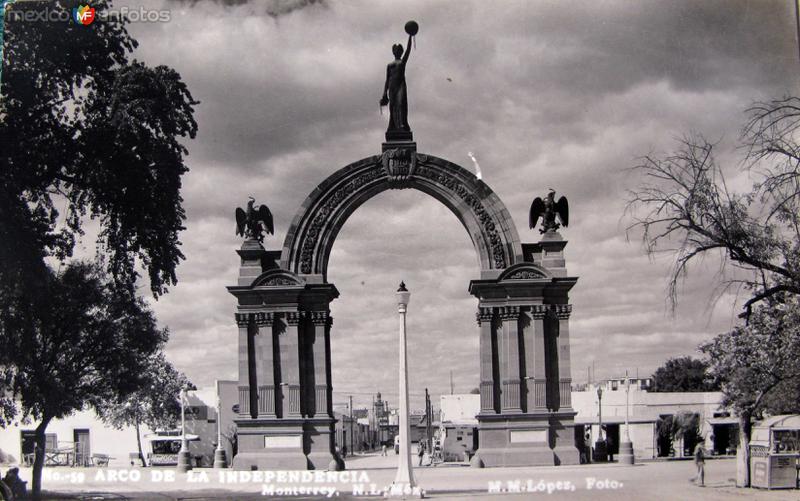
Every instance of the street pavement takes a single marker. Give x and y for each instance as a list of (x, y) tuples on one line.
[(368, 474)]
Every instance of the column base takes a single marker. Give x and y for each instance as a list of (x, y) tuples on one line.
[(625, 455), (562, 430), (532, 439), (270, 444), (513, 440)]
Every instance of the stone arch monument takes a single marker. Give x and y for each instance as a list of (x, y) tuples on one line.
[(285, 418)]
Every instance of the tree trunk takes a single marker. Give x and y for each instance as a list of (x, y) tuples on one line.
[(38, 458), (743, 452), (139, 444)]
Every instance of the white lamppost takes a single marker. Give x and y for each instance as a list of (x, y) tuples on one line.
[(219, 455), (184, 458), (626, 447), (404, 484)]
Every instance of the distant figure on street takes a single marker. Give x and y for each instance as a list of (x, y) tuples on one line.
[(421, 451), (383, 449), (609, 448), (700, 463), (344, 451)]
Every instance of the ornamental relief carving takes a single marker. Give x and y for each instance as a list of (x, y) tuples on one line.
[(498, 253), (328, 208), (397, 166), (525, 275)]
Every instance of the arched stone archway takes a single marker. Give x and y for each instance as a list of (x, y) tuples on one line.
[(285, 416), (313, 231)]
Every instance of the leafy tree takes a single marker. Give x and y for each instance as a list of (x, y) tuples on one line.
[(156, 403), (88, 131), (683, 425), (684, 206), (683, 374), (758, 367), (82, 341)]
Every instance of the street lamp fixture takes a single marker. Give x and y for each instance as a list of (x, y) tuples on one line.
[(600, 445), (220, 461), (626, 447), (184, 457), (404, 484)]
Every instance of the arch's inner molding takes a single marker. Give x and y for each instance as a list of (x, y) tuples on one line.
[(313, 231)]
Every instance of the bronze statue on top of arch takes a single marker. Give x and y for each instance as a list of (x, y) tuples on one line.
[(550, 211), (395, 91), (252, 223)]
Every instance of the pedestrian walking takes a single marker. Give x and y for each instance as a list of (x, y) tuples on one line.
[(700, 463), (421, 451), (383, 449)]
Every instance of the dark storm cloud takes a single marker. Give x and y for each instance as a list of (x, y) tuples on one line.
[(544, 94)]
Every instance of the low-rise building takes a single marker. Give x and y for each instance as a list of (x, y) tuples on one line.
[(650, 416)]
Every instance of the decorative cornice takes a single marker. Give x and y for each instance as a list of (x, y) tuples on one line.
[(242, 319), (508, 312), (539, 311), (319, 317), (264, 319), (562, 311), (293, 317), (484, 315)]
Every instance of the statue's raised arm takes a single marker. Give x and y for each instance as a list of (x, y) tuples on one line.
[(408, 49)]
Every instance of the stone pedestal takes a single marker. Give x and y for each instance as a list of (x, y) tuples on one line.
[(270, 444), (514, 440), (625, 455), (220, 461)]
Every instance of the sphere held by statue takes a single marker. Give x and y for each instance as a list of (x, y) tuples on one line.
[(412, 28)]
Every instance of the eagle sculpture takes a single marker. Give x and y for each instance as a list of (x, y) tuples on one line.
[(548, 209), (249, 222)]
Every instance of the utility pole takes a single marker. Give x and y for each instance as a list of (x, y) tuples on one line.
[(428, 418), (451, 382), (351, 425)]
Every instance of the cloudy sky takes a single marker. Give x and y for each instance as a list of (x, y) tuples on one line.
[(557, 94)]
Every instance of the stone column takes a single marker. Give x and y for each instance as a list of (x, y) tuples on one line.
[(320, 321), (265, 370), (243, 322), (535, 366), (485, 318), (509, 367), (290, 365), (563, 311)]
